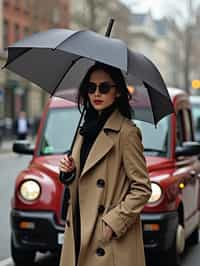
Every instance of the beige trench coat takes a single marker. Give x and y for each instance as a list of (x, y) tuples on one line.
[(113, 187)]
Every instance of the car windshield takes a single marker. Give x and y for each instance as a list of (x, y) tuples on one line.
[(196, 119), (59, 130), (155, 139), (61, 124)]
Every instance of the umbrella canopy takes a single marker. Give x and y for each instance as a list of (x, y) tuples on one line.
[(58, 59)]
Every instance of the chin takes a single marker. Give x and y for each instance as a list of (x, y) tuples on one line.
[(98, 108)]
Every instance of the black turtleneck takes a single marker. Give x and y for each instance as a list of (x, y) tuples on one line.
[(93, 124)]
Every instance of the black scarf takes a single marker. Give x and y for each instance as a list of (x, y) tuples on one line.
[(92, 126)]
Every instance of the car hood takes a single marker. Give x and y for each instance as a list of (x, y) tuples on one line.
[(49, 164), (158, 163)]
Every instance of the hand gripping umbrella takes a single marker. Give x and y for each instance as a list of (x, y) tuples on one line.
[(58, 59)]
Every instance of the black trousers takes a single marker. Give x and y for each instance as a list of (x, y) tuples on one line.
[(21, 136)]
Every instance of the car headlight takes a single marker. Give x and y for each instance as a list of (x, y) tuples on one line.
[(30, 190), (156, 193)]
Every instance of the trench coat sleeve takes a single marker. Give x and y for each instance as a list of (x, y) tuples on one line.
[(127, 212)]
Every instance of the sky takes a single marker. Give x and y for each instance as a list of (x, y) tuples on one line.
[(159, 8), (154, 5)]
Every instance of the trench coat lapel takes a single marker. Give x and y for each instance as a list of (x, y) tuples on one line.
[(100, 148), (104, 142)]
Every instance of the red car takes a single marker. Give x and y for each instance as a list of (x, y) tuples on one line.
[(172, 215)]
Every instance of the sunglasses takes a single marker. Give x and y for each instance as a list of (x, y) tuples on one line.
[(104, 87)]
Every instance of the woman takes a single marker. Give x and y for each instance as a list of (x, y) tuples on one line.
[(103, 225)]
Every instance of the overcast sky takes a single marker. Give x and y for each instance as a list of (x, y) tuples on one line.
[(159, 8), (154, 5)]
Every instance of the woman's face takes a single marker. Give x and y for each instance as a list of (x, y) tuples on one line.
[(99, 100)]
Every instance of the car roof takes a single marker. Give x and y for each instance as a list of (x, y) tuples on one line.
[(195, 99), (66, 98), (174, 92), (59, 101)]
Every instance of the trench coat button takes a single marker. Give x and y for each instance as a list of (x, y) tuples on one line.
[(100, 183), (101, 209), (100, 252)]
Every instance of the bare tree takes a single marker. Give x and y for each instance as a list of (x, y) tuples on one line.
[(186, 34), (94, 15), (188, 43), (90, 13), (195, 66)]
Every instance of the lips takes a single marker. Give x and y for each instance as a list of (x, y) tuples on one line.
[(98, 102)]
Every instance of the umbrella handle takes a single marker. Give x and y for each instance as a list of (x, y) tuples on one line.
[(109, 28)]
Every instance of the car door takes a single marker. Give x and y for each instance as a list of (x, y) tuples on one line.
[(190, 169)]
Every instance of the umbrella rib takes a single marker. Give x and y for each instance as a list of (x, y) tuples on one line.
[(63, 76), (148, 88), (8, 63), (75, 33)]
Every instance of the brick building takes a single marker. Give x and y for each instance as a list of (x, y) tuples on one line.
[(21, 18)]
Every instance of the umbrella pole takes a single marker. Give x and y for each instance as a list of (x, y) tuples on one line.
[(77, 129), (67, 179)]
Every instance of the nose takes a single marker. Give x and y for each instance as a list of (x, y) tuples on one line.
[(97, 91)]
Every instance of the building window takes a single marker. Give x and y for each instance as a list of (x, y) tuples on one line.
[(5, 33), (16, 4), (56, 15), (26, 6), (17, 32), (6, 2), (26, 31)]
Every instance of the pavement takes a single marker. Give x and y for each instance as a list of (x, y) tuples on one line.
[(6, 146)]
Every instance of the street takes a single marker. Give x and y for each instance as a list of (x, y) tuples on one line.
[(10, 165)]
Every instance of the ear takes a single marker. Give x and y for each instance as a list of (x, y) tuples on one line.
[(118, 95)]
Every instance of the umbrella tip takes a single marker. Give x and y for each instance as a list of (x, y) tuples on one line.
[(109, 28)]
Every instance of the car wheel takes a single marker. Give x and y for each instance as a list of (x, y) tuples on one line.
[(173, 255), (21, 256), (194, 237)]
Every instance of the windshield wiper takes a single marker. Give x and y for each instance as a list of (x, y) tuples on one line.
[(154, 150)]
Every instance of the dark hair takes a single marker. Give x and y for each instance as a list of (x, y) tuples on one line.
[(122, 102)]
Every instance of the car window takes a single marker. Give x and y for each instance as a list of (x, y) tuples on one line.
[(188, 125), (196, 119), (59, 130), (155, 139)]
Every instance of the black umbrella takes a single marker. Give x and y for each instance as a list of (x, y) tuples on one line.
[(58, 59)]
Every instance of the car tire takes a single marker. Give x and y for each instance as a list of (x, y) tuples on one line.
[(21, 256), (194, 237), (173, 255)]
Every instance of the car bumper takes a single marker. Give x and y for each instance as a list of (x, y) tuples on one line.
[(159, 230), (36, 230)]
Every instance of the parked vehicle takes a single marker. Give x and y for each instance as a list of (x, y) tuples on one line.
[(172, 215), (195, 105)]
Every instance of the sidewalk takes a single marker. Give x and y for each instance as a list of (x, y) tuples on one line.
[(6, 146)]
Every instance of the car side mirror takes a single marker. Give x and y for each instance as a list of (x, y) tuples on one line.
[(23, 147), (188, 148)]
